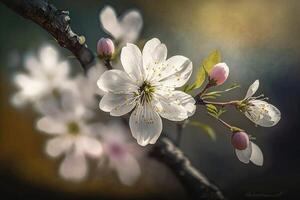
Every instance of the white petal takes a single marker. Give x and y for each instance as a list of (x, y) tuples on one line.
[(61, 74), (73, 167), (145, 124), (185, 100), (128, 169), (263, 113), (31, 87), (252, 89), (176, 72), (58, 145), (256, 156), (51, 126), (116, 81), (110, 23), (131, 23), (244, 155), (169, 107), (117, 104), (49, 58), (33, 66), (131, 59), (153, 52), (148, 51), (18, 100), (88, 145)]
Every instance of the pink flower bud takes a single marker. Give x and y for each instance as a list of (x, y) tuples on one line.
[(240, 140), (219, 73), (105, 48)]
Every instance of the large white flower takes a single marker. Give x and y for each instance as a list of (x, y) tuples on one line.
[(126, 29), (148, 88), (259, 111), (45, 75), (71, 136), (121, 154), (251, 153)]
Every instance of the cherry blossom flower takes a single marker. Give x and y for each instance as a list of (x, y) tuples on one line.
[(257, 110), (148, 88), (251, 153), (121, 154), (71, 137), (45, 75), (125, 29)]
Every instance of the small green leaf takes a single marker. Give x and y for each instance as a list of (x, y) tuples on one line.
[(200, 77), (212, 107), (221, 111), (211, 60), (207, 64), (206, 128)]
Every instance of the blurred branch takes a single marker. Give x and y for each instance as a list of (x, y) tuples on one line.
[(195, 183), (57, 23)]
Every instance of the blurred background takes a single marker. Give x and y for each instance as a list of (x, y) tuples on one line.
[(257, 39)]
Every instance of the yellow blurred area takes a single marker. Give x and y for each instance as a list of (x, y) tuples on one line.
[(251, 22)]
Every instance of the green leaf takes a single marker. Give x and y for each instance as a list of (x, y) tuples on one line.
[(211, 60), (206, 128), (200, 78), (207, 64), (211, 107)]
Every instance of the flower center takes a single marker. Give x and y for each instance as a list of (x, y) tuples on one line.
[(146, 91), (73, 128)]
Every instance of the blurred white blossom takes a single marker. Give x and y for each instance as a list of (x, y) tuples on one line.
[(86, 89), (124, 29), (44, 76), (258, 111), (122, 155), (71, 136), (148, 87)]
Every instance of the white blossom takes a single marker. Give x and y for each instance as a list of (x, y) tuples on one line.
[(86, 89), (148, 88), (251, 153), (71, 137), (45, 75), (124, 29), (121, 154), (259, 111)]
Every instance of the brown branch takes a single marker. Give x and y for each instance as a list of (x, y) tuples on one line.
[(195, 183), (57, 23)]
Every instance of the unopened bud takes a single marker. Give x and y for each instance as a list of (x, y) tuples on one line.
[(219, 73), (105, 48), (240, 140)]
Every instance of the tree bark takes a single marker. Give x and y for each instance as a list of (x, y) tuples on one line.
[(57, 23)]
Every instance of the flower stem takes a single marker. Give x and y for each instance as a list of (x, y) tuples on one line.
[(107, 64), (207, 86), (228, 103), (179, 127), (224, 123)]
